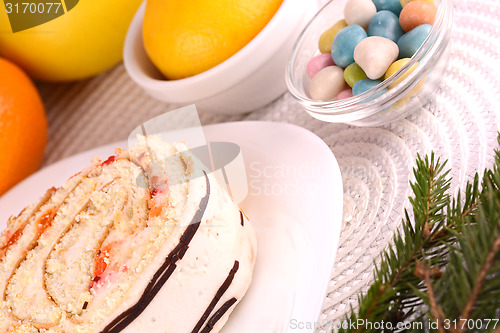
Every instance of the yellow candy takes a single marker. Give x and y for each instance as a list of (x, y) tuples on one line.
[(395, 67), (418, 88), (406, 98), (401, 103), (326, 38), (405, 2), (392, 70)]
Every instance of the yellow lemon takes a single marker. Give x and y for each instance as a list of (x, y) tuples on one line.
[(86, 39), (185, 38)]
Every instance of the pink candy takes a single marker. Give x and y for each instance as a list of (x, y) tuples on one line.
[(319, 62), (344, 94)]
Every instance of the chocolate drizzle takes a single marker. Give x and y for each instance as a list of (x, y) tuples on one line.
[(222, 289), (218, 315), (164, 273), (242, 219)]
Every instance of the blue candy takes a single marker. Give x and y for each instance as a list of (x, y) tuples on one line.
[(364, 85), (410, 42), (344, 44), (385, 24), (390, 5)]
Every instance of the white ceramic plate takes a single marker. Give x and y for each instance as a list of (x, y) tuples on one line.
[(294, 202)]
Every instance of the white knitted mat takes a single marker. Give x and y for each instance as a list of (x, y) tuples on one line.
[(376, 163)]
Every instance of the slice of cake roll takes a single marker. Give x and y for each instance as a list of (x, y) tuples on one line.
[(145, 241)]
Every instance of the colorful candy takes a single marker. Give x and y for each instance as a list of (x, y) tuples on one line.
[(396, 66), (326, 38), (375, 54), (366, 84), (364, 48), (353, 73), (327, 84), (344, 94), (405, 2), (385, 24), (319, 62), (410, 42), (359, 12), (390, 5), (417, 13), (344, 44)]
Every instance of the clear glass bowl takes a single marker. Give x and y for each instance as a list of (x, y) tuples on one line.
[(411, 93)]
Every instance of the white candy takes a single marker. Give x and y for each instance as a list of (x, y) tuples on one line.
[(327, 83), (375, 54), (359, 12)]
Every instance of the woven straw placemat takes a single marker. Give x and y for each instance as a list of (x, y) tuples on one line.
[(460, 125)]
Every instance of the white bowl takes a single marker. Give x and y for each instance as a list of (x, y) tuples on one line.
[(250, 79)]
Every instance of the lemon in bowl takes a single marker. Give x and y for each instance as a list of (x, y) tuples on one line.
[(247, 75), (185, 38)]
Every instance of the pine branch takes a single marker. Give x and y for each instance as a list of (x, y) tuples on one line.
[(481, 277), (394, 276), (473, 271), (445, 264), (436, 310)]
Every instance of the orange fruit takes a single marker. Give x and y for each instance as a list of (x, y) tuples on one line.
[(185, 38), (23, 126)]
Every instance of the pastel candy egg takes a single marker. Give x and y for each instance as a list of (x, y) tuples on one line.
[(410, 42), (319, 62), (359, 12), (416, 13), (405, 2), (327, 84), (326, 38), (347, 93), (385, 24), (354, 73), (375, 54), (418, 88), (344, 44), (402, 102), (394, 6), (366, 84), (396, 66)]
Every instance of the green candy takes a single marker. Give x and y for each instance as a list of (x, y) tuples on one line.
[(353, 73)]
